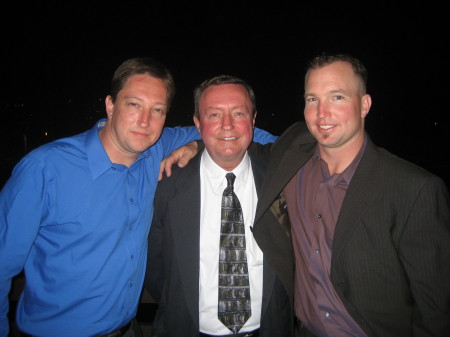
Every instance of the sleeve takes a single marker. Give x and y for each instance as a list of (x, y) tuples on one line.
[(21, 203), (425, 251), (263, 137), (173, 138)]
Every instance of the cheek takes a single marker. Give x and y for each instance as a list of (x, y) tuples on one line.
[(124, 117), (157, 122), (309, 115), (245, 127), (207, 129)]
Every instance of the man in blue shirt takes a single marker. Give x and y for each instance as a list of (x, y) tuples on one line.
[(76, 212)]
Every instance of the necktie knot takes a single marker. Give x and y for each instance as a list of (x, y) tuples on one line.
[(230, 179)]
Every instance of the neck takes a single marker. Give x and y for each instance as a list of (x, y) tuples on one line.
[(339, 158), (114, 153)]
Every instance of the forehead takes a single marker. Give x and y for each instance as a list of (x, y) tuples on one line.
[(224, 95), (144, 84), (338, 74)]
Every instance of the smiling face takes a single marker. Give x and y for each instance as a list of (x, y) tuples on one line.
[(135, 119), (226, 123), (335, 107)]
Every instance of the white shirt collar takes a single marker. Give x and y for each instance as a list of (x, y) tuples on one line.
[(216, 174)]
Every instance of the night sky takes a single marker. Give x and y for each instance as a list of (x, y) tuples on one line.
[(57, 61)]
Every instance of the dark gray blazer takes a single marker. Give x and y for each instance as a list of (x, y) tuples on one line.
[(173, 260), (391, 248)]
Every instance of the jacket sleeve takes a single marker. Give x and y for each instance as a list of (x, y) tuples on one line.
[(424, 248)]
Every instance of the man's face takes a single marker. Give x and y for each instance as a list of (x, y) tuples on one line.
[(226, 123), (335, 107), (136, 118)]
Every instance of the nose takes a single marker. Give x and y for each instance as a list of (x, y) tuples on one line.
[(144, 119), (322, 110), (227, 122)]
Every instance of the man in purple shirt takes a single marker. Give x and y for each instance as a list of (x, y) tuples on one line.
[(359, 237)]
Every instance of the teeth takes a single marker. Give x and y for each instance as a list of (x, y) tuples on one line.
[(325, 126), (229, 138)]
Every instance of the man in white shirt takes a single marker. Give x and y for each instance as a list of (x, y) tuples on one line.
[(184, 243)]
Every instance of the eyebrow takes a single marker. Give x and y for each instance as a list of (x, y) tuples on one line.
[(335, 91), (220, 108), (140, 99)]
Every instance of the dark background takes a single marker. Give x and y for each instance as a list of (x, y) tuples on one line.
[(57, 60)]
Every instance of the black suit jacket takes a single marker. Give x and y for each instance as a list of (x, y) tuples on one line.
[(173, 260), (391, 248)]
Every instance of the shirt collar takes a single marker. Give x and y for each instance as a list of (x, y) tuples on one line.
[(216, 174), (347, 175), (98, 159)]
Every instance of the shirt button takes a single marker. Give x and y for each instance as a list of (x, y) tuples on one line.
[(317, 251), (319, 216), (327, 315), (131, 200)]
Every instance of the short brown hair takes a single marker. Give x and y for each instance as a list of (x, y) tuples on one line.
[(142, 65), (358, 67)]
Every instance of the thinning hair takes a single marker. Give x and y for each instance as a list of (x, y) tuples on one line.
[(219, 80)]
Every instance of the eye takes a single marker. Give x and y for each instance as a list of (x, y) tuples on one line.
[(338, 98), (159, 110), (214, 115), (310, 99), (133, 105)]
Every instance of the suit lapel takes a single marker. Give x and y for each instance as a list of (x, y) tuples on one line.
[(185, 208), (259, 167), (281, 169), (358, 198)]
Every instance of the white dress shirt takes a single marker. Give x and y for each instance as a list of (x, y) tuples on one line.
[(213, 183)]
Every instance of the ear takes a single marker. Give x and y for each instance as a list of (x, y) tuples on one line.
[(254, 119), (366, 103), (197, 123), (109, 104)]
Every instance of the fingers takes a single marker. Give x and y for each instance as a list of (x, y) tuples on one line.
[(180, 156), (183, 161), (166, 166)]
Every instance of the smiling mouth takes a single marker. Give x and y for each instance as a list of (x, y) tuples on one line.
[(229, 138), (325, 127)]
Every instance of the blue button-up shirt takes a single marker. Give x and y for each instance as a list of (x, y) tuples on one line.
[(78, 224)]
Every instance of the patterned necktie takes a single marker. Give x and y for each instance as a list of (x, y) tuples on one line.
[(234, 288)]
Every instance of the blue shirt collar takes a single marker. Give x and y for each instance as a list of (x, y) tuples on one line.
[(98, 159)]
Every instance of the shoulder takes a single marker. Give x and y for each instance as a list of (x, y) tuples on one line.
[(396, 171), (55, 151), (297, 133), (181, 176), (259, 161)]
